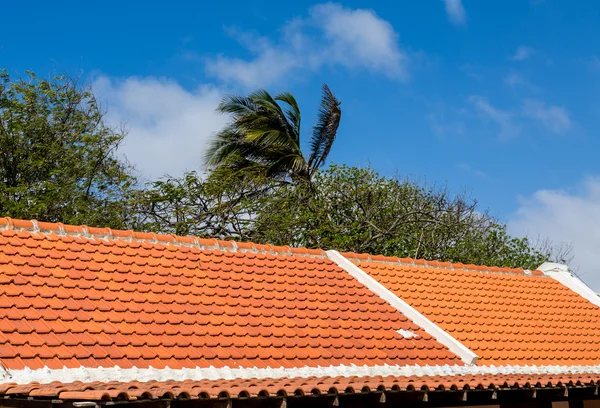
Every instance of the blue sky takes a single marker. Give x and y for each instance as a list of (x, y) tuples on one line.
[(498, 97)]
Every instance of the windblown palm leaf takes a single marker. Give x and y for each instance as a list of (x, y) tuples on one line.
[(325, 130), (263, 136)]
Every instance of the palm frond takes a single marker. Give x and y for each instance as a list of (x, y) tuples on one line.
[(263, 136), (264, 99), (291, 165), (217, 150), (292, 112), (325, 130), (236, 105)]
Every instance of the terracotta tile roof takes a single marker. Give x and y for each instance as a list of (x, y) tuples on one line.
[(506, 316), (91, 297), (135, 390), (82, 303)]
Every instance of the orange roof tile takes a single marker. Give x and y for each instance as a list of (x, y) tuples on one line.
[(505, 316), (282, 387), (91, 297)]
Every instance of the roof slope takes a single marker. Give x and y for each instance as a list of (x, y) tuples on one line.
[(506, 316), (89, 297)]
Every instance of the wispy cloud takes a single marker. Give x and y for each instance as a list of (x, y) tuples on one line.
[(456, 12), (168, 126), (554, 118), (522, 53), (468, 169), (570, 215), (594, 63), (442, 127), (330, 35), (514, 80), (503, 119), (473, 70)]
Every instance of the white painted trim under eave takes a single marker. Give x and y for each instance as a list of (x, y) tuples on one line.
[(105, 374), (562, 274), (430, 327)]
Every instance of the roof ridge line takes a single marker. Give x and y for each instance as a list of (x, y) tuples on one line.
[(108, 234), (423, 263)]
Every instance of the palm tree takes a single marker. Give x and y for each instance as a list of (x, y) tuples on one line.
[(263, 136)]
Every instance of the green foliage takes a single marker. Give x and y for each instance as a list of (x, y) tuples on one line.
[(57, 157), (263, 137), (213, 207), (344, 208), (358, 210)]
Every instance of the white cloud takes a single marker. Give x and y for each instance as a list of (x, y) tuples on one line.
[(571, 216), (331, 35), (359, 38), (456, 12), (554, 118), (168, 125), (522, 53), (504, 119), (269, 66)]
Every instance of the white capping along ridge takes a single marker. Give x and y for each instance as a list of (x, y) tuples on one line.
[(434, 330), (46, 375), (562, 274), (153, 238)]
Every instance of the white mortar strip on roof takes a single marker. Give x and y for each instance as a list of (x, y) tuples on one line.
[(434, 330), (83, 374), (562, 274), (173, 242)]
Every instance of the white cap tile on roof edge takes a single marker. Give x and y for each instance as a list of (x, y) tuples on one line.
[(46, 375)]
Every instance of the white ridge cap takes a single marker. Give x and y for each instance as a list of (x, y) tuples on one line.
[(553, 267), (430, 327), (105, 374)]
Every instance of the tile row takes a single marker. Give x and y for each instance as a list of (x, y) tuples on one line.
[(249, 388)]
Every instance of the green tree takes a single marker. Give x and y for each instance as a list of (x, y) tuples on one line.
[(345, 208), (263, 137), (358, 210), (58, 159), (201, 206)]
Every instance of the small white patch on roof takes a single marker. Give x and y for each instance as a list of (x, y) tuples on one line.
[(407, 334)]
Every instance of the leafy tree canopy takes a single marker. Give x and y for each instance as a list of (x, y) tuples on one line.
[(344, 208), (212, 207), (58, 158), (358, 210)]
